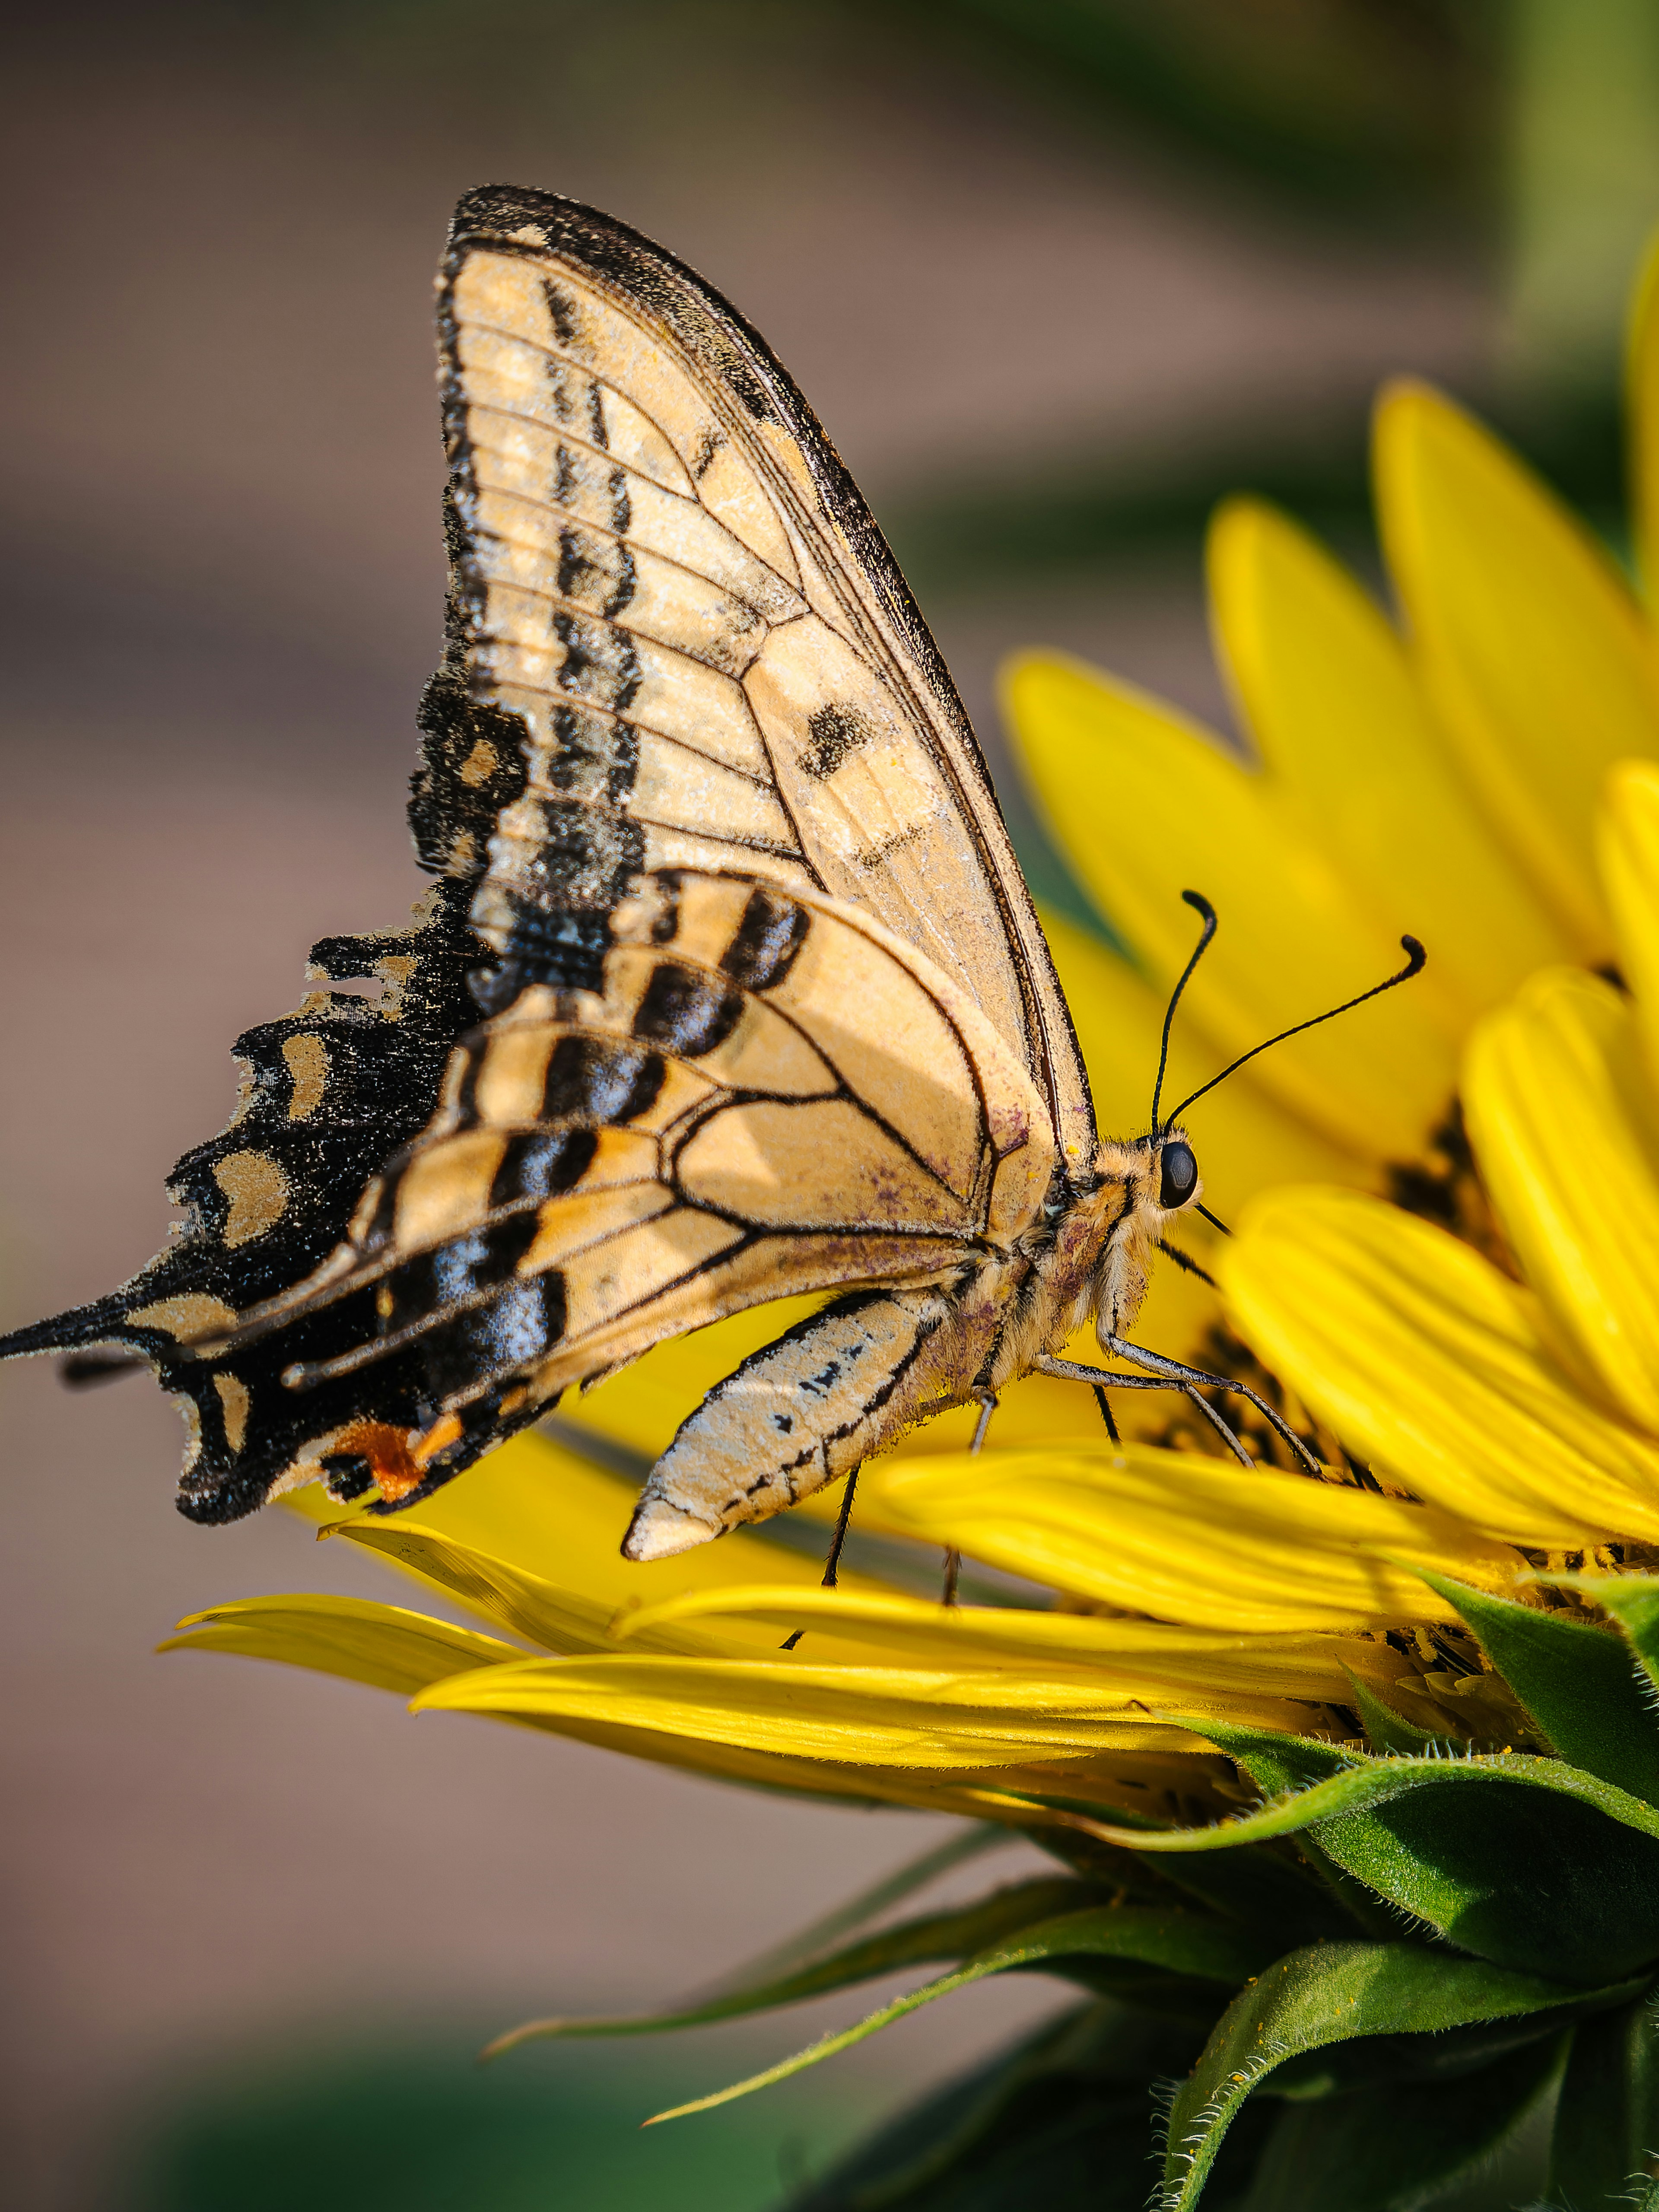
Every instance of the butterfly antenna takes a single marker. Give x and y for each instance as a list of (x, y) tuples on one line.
[(1415, 957), (1200, 905)]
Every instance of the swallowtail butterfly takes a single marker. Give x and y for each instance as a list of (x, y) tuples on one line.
[(728, 988)]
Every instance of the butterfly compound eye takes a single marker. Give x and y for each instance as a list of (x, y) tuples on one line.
[(1179, 1179)]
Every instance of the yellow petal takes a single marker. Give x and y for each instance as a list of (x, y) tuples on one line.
[(1431, 1364), (1324, 686), (536, 1506), (1627, 849), (867, 1717), (564, 1621), (1530, 645), (1561, 1120), (1185, 1538), (390, 1649), (1642, 374), (384, 1645), (1150, 1658), (1145, 805)]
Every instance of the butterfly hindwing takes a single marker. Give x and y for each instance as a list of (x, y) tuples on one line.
[(765, 1097)]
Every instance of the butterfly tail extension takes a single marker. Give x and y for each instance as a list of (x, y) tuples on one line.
[(322, 1089)]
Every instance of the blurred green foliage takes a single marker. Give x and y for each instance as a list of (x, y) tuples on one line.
[(1526, 130), (1361, 107), (1522, 135), (1038, 524), (409, 2123)]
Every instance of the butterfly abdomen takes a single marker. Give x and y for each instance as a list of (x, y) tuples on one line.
[(797, 1416)]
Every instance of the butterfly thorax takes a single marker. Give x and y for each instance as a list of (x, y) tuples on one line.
[(1134, 1229), (1085, 1259)]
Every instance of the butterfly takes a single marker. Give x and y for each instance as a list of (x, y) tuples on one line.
[(729, 988)]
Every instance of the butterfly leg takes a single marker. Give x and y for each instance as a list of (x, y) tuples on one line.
[(1105, 1406), (1157, 1363), (952, 1570), (1175, 1375), (987, 1405), (1104, 1380), (832, 1564)]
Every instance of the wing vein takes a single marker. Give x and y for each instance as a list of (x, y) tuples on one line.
[(638, 544)]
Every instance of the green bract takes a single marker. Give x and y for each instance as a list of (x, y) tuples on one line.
[(1410, 1976)]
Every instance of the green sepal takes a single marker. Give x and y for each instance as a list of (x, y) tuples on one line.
[(1448, 2054), (1607, 2118), (1633, 1601), (1367, 1913), (1067, 2116), (1286, 1905), (1525, 1880), (814, 1940), (1576, 1681), (1307, 1780), (1385, 1730), (1393, 2146), (1279, 1765), (1184, 1944), (1263, 1887), (911, 1942), (1527, 1862), (1333, 1993)]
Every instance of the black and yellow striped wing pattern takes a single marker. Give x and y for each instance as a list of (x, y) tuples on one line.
[(764, 1098), (732, 989)]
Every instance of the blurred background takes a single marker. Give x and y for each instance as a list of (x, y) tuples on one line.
[(1056, 274)]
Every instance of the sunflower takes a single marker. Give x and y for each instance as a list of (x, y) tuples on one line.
[(1523, 1386), (1443, 779), (1432, 1669)]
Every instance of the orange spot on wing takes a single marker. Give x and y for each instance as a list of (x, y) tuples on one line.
[(388, 1452), (441, 1434)]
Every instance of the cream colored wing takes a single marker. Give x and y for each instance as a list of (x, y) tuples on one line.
[(663, 575), (766, 1094)]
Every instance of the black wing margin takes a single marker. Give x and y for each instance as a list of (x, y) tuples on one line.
[(329, 1092)]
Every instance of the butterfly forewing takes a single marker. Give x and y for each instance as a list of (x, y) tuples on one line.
[(671, 580)]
